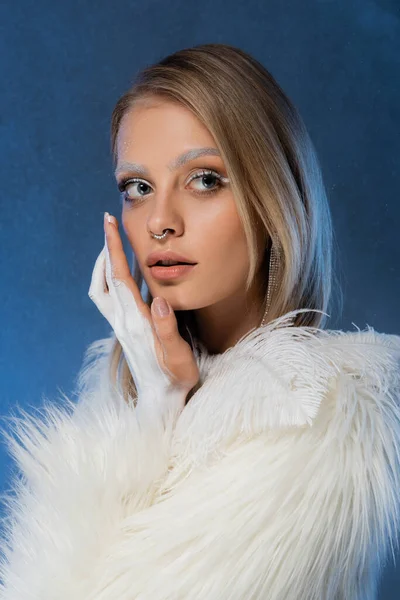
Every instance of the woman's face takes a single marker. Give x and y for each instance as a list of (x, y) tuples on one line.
[(199, 213)]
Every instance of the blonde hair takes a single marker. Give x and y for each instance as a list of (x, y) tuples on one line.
[(273, 169)]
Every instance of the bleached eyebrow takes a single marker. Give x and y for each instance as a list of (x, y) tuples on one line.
[(178, 162)]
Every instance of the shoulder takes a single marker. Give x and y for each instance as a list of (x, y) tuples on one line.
[(299, 366), (279, 376), (367, 380)]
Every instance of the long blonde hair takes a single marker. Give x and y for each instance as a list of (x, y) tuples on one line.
[(273, 168)]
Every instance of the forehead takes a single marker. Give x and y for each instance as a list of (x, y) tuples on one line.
[(160, 126)]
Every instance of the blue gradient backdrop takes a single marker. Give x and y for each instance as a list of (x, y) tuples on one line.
[(63, 67)]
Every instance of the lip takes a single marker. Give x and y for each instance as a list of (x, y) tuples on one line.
[(167, 255), (174, 272)]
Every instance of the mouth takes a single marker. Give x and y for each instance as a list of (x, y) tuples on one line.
[(170, 263), (159, 271)]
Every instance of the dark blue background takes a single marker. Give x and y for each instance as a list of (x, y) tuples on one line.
[(63, 67)]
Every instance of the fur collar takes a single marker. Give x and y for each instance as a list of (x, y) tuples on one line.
[(280, 479)]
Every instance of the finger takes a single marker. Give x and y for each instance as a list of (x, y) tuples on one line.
[(97, 290), (119, 263), (117, 267), (178, 356)]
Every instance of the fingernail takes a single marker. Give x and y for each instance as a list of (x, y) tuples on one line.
[(161, 307), (110, 218)]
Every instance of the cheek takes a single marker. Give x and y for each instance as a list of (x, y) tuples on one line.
[(226, 246), (230, 235), (125, 222), (134, 234)]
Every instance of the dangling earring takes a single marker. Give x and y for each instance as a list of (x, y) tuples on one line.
[(272, 278)]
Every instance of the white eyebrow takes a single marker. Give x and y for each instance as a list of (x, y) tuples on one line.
[(178, 162)]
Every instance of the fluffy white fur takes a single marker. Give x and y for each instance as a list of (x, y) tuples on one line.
[(280, 479)]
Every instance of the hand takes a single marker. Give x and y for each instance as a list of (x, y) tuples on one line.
[(156, 353)]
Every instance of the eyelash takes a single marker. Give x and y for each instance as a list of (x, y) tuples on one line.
[(222, 181)]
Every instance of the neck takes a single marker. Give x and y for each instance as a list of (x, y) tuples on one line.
[(221, 325)]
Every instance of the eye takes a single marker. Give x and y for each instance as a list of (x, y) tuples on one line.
[(207, 177), (126, 184)]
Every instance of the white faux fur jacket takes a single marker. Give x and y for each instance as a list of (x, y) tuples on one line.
[(279, 480)]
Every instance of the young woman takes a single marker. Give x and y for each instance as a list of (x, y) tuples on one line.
[(231, 447)]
